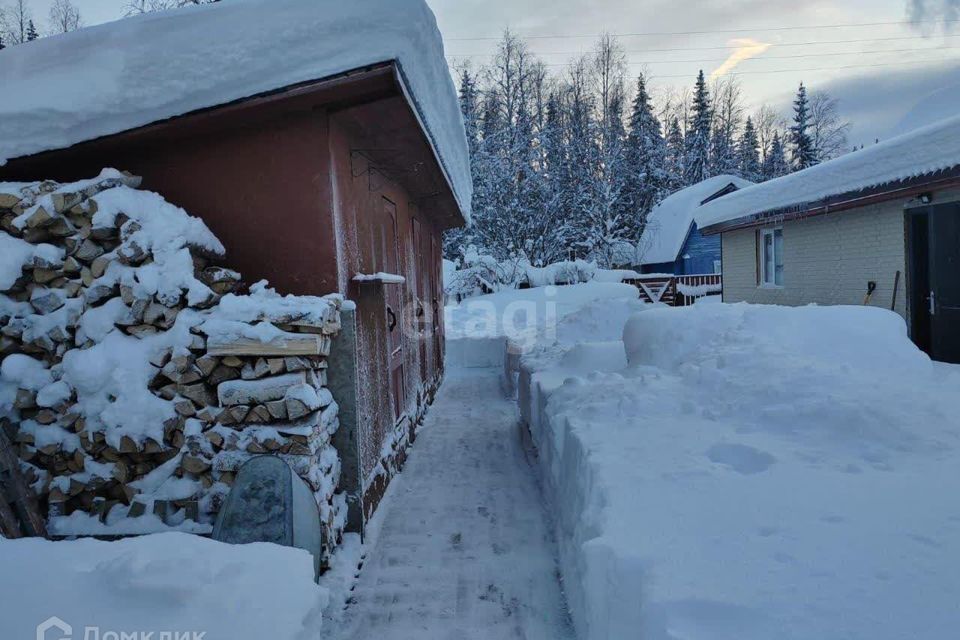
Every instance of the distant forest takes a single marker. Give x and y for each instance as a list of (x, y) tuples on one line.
[(569, 165)]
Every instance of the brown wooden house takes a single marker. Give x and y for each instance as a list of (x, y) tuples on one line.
[(313, 185)]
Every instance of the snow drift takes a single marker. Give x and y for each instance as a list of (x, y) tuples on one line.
[(160, 583), (753, 472)]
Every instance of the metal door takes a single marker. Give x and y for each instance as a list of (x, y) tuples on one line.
[(945, 282)]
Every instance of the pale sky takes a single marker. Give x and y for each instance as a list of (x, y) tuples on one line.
[(886, 76)]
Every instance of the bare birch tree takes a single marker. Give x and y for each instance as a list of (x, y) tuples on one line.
[(15, 21), (827, 128), (64, 16)]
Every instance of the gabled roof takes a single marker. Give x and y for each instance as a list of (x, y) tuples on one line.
[(669, 223), (107, 79), (911, 159)]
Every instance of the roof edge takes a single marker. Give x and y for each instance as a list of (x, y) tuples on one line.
[(280, 93), (408, 96), (941, 179)]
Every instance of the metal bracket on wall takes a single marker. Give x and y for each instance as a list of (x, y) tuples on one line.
[(370, 167), (420, 200)]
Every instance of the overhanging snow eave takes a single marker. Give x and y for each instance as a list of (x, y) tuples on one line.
[(370, 83), (464, 208), (908, 188)]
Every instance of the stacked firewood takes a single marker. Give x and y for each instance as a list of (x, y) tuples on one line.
[(231, 375), (266, 398)]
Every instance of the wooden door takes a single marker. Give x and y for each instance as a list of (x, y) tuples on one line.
[(421, 295), (390, 257), (436, 301)]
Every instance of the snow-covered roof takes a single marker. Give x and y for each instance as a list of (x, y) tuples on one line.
[(669, 222), (919, 153), (66, 89)]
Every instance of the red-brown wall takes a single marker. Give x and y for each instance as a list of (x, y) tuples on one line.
[(262, 189)]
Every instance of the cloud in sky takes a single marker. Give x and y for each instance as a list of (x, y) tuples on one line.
[(746, 48), (888, 102), (946, 10)]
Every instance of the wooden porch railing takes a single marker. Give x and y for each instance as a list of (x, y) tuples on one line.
[(677, 291)]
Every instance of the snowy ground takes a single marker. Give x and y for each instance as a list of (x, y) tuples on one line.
[(463, 547), (478, 328), (706, 473), (752, 472), (523, 314), (171, 582)]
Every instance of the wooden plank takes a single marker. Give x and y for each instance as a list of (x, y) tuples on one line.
[(234, 392), (17, 492), (288, 344), (9, 525)]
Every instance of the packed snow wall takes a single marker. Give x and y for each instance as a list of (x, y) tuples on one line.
[(136, 377)]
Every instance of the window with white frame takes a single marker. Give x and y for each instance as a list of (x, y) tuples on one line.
[(771, 257)]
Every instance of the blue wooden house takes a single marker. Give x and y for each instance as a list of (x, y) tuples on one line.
[(672, 243)]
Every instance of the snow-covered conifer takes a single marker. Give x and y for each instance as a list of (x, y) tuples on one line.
[(803, 152)]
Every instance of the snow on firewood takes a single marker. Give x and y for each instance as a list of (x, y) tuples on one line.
[(131, 362), (16, 253)]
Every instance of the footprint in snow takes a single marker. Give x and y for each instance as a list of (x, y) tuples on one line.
[(740, 457)]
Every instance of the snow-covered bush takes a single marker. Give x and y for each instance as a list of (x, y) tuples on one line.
[(480, 274)]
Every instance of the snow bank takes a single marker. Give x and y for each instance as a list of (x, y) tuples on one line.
[(105, 79), (755, 472), (668, 223), (921, 152), (478, 328), (521, 313), (160, 583)]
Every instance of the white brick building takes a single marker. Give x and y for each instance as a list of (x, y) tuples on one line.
[(883, 221)]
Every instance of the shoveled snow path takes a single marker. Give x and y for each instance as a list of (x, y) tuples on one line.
[(465, 549)]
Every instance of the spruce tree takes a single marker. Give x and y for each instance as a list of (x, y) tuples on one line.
[(31, 32), (698, 134), (455, 240), (558, 180), (676, 152), (469, 109), (646, 175), (2, 45), (804, 153), (748, 159), (775, 164), (723, 152)]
